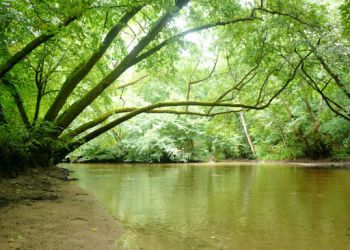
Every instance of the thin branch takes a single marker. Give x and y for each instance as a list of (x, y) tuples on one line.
[(335, 76), (193, 72), (189, 31), (53, 68), (326, 84), (105, 22), (237, 86), (210, 73), (132, 82), (296, 18), (328, 101), (50, 92), (267, 78), (142, 29), (37, 13)]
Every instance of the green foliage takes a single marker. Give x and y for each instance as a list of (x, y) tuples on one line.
[(95, 153), (345, 14), (165, 138), (13, 151), (21, 147)]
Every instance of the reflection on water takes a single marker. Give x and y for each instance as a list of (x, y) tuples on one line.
[(224, 207)]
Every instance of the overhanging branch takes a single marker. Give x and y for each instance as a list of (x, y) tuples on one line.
[(97, 121), (17, 57), (149, 108)]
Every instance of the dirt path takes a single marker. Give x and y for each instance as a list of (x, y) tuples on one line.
[(45, 213)]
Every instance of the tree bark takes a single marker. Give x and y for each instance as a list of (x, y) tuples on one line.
[(247, 135), (16, 96)]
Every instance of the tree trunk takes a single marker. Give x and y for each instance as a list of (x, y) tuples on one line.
[(319, 148), (16, 96), (37, 107), (247, 135), (307, 147)]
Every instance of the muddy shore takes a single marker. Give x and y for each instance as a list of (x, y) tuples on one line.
[(40, 211)]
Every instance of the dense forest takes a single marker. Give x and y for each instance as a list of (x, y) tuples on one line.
[(165, 80)]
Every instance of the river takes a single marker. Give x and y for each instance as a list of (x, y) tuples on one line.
[(223, 206)]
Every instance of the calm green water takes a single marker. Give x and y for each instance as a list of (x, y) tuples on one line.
[(224, 206)]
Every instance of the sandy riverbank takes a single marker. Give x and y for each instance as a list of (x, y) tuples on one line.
[(38, 211)]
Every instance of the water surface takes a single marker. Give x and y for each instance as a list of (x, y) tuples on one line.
[(224, 206)]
